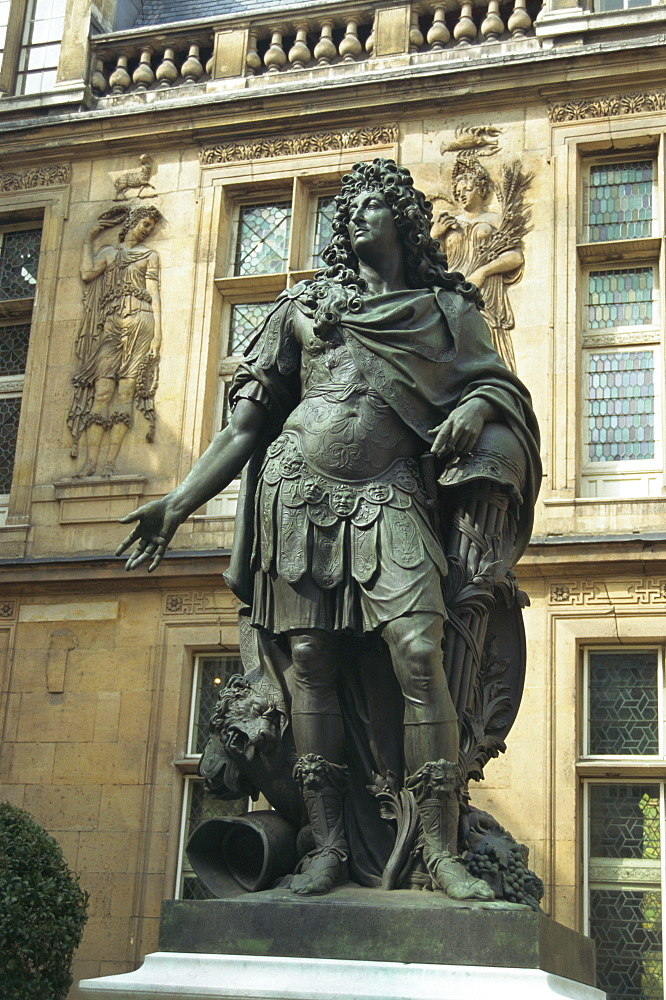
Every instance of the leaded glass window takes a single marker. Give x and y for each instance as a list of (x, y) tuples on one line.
[(14, 348), (262, 243), (323, 228), (623, 702), (620, 297), (625, 924), (211, 676), (619, 201), (10, 411), (40, 48), (19, 259), (620, 406), (246, 318)]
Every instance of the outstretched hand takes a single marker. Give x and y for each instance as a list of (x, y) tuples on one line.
[(459, 432), (157, 525)]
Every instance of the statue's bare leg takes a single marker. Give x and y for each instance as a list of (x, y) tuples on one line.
[(120, 421), (319, 738), (431, 747), (98, 421)]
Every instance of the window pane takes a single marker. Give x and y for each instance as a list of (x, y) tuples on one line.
[(19, 258), (10, 411), (246, 318), (619, 205), (624, 821), (14, 348), (623, 702), (323, 228), (621, 406), (213, 674), (263, 238), (626, 925), (621, 297)]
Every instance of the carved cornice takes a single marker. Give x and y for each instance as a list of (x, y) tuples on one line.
[(307, 142), (24, 180), (607, 107)]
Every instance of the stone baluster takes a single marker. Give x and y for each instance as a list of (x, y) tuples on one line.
[(143, 76), (493, 25), (465, 30), (415, 33), (252, 59), (519, 22), (167, 71), (299, 53), (192, 69), (97, 78), (120, 78), (350, 46), (325, 50), (438, 34), (275, 57), (209, 65)]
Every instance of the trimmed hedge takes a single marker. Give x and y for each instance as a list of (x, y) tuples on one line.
[(42, 911)]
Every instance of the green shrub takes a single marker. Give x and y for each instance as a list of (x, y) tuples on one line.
[(42, 911)]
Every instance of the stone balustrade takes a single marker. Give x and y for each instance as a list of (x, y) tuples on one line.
[(154, 59)]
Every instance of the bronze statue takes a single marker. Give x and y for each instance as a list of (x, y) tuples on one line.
[(366, 588), (120, 337)]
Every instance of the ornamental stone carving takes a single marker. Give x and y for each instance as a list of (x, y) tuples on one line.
[(118, 344), (608, 107), (308, 142), (484, 244), (24, 180)]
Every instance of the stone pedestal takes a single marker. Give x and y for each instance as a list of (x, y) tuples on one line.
[(356, 943)]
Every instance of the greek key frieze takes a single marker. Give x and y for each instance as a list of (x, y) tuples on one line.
[(608, 592)]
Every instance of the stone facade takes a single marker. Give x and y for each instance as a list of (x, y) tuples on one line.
[(97, 666)]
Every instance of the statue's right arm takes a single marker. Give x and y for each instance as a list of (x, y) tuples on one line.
[(222, 461)]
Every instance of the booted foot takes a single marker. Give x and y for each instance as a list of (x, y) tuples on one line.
[(451, 875), (326, 870)]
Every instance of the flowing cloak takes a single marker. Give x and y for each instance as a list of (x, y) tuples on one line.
[(425, 352)]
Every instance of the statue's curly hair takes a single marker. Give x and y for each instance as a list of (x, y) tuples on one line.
[(135, 216), (339, 286)]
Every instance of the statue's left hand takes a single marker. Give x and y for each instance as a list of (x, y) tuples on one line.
[(459, 432)]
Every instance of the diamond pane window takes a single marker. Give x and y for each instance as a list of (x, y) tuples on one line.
[(619, 202), (19, 259), (201, 806), (624, 821), (621, 297), (40, 49), (212, 675), (623, 705), (621, 406), (10, 411), (626, 926), (246, 318), (323, 228), (14, 348), (263, 238)]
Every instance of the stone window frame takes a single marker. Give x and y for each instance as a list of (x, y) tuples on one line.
[(187, 763), (10, 56), (616, 770), (628, 478)]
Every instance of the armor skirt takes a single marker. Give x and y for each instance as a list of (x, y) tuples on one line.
[(338, 555)]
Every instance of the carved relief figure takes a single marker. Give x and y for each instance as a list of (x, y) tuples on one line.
[(135, 179), (120, 337), (486, 246), (368, 590)]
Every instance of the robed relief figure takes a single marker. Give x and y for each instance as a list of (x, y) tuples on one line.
[(374, 688), (120, 337), (485, 245)]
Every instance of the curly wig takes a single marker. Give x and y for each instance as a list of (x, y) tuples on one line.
[(425, 263)]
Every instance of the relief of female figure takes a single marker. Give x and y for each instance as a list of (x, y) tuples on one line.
[(120, 337), (487, 246)]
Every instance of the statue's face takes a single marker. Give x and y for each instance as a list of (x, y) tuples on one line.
[(143, 228), (467, 192), (372, 228)]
